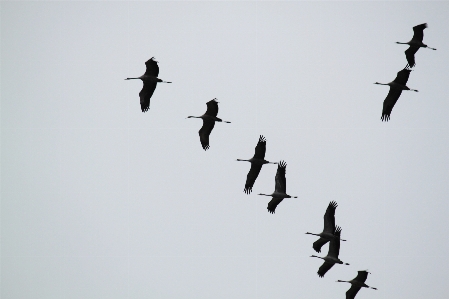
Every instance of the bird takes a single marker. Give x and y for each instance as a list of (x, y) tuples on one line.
[(209, 119), (329, 227), (415, 43), (150, 81), (332, 256), (356, 284), (279, 190), (396, 88), (257, 161)]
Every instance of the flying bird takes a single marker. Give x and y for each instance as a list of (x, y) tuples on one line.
[(415, 43), (332, 256), (279, 190), (329, 228), (150, 81), (257, 161), (209, 119), (396, 88), (356, 284)]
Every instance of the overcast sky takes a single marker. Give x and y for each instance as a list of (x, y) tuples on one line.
[(100, 200)]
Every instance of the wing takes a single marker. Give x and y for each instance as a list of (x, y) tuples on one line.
[(402, 76), (212, 108), (319, 243), (273, 204), (389, 102), (361, 276), (410, 55), (259, 152), (251, 177), (145, 95), (280, 184), (334, 245), (329, 218), (324, 268), (205, 132), (418, 32), (353, 290), (152, 67)]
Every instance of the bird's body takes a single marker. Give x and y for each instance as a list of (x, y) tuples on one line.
[(332, 256), (415, 43), (209, 118), (280, 188), (257, 161), (150, 81), (356, 284), (396, 88), (328, 232)]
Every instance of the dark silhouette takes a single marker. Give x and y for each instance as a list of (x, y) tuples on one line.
[(257, 161), (356, 284), (332, 256), (415, 43), (396, 88), (150, 81), (279, 190), (329, 227), (209, 119)]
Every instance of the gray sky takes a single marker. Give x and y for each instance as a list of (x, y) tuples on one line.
[(99, 200)]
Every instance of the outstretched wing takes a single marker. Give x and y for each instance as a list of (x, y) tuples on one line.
[(350, 294), (418, 32), (334, 245), (329, 218), (361, 276), (389, 102), (324, 268), (410, 55), (205, 132), (402, 76), (280, 184), (319, 243), (273, 204), (212, 108), (145, 95), (251, 177), (152, 67), (259, 152)]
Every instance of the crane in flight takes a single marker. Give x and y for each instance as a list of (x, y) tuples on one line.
[(209, 119), (415, 43), (279, 190), (257, 161), (150, 81), (396, 88), (329, 227), (356, 284), (332, 256)]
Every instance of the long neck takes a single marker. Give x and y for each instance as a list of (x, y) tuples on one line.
[(131, 78), (312, 234), (264, 194), (343, 281), (402, 43), (381, 83), (317, 257), (194, 117), (243, 160)]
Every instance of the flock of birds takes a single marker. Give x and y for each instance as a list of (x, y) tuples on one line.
[(331, 233)]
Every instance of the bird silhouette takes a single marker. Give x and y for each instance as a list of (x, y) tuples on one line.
[(356, 284), (257, 161), (209, 119), (150, 81), (332, 256), (279, 190), (329, 227), (396, 88), (415, 43)]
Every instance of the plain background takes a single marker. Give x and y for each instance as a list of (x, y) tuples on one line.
[(100, 200)]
